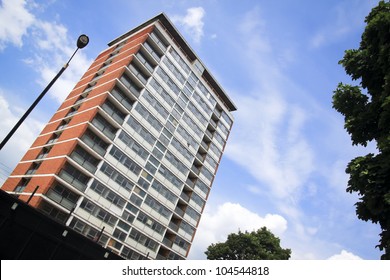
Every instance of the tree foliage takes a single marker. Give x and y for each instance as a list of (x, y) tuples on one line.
[(366, 110), (255, 245)]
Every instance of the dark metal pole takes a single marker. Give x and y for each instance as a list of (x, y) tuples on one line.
[(31, 196), (9, 135), (82, 41)]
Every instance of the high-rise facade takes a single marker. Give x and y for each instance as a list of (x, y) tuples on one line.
[(130, 156)]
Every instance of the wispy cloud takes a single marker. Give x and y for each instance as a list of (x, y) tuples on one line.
[(23, 137), (346, 18), (192, 22), (345, 255), (15, 19), (268, 138), (53, 47), (49, 41)]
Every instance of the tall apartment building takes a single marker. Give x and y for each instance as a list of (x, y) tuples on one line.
[(130, 156)]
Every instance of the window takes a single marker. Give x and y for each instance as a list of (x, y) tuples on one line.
[(138, 73), (182, 150), (82, 97), (145, 134), (187, 228), (181, 243), (22, 185), (127, 217), (63, 124), (157, 39), (74, 177), (174, 70), (170, 83), (104, 126), (170, 177), (202, 186), (155, 104), (152, 120), (133, 145), (156, 55), (62, 196), (54, 137), (108, 194), (162, 92), (187, 136), (122, 98), (157, 206), (98, 212), (45, 151), (142, 58), (113, 111), (85, 159), (143, 239), (180, 61), (176, 162), (93, 141), (197, 199), (195, 128), (161, 189), (53, 212), (116, 176), (151, 223), (125, 160), (131, 85), (33, 168), (119, 234), (192, 213)]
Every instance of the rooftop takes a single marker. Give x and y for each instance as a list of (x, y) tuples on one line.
[(178, 38)]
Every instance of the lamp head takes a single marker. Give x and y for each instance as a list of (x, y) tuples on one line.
[(82, 41)]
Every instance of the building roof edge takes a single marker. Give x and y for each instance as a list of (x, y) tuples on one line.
[(165, 21)]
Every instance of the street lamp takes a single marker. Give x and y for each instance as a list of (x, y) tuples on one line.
[(82, 41)]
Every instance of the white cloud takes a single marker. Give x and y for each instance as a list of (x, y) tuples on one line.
[(51, 45), (23, 137), (15, 19), (229, 218), (344, 19), (345, 255), (54, 47), (192, 22)]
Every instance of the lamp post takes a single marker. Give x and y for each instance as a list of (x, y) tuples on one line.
[(82, 41)]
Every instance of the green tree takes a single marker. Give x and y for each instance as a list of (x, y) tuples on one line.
[(366, 110), (255, 245)]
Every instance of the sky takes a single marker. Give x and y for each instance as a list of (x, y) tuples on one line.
[(284, 163)]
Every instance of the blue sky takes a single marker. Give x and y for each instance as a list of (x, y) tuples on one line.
[(284, 162)]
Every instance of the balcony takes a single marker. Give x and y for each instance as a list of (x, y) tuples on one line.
[(209, 134), (190, 183), (213, 123), (173, 226), (200, 157), (93, 145), (205, 145), (60, 199), (111, 110), (179, 211), (167, 242), (185, 197), (81, 186), (83, 162), (195, 169), (130, 85), (217, 113), (160, 257), (101, 124), (136, 72)]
